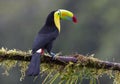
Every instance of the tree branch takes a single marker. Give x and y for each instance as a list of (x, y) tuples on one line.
[(87, 61)]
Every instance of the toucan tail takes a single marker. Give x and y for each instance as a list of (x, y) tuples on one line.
[(34, 66)]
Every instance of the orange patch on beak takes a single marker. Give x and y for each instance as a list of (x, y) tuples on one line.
[(64, 14)]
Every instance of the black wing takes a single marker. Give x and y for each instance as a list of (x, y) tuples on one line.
[(43, 41)]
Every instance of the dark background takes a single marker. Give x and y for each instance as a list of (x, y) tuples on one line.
[(97, 31)]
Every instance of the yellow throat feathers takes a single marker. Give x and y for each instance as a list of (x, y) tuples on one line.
[(57, 20)]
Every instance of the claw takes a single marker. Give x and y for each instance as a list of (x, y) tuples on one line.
[(52, 55)]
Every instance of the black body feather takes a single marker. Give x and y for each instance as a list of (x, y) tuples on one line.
[(43, 40)]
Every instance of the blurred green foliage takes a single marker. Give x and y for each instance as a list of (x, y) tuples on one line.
[(97, 30)]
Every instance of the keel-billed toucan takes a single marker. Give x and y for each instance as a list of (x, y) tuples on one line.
[(46, 36)]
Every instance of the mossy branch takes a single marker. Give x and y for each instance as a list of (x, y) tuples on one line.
[(88, 61), (69, 67)]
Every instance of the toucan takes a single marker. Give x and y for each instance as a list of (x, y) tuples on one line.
[(45, 38)]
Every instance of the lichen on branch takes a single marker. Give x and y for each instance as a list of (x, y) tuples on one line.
[(69, 68)]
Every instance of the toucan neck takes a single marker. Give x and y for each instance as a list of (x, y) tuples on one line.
[(50, 20), (53, 20)]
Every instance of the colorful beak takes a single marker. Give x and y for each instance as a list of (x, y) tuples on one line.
[(66, 15)]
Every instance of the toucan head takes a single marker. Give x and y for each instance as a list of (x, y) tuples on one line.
[(66, 15), (63, 15)]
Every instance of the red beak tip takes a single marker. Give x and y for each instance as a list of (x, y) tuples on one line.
[(74, 19)]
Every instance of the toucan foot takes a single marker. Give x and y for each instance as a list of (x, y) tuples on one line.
[(52, 55)]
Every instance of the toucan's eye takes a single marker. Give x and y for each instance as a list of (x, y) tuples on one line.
[(58, 13)]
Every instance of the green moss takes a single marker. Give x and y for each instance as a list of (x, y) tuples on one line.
[(116, 78), (23, 67), (8, 65), (72, 73)]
